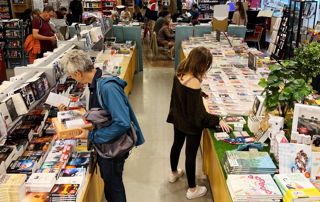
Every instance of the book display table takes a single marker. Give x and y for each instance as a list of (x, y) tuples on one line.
[(223, 85)]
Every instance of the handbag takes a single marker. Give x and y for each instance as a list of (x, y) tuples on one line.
[(117, 147)]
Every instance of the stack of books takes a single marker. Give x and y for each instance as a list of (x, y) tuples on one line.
[(253, 188), (57, 157), (296, 187), (248, 162), (64, 192), (40, 182), (12, 187)]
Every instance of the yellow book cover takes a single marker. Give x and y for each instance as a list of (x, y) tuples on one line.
[(293, 194)]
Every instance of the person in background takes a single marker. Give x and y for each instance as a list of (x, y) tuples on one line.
[(59, 22), (35, 13), (64, 12), (165, 37), (194, 14), (240, 15), (42, 31), (165, 15), (151, 17), (189, 117), (137, 14), (125, 14), (186, 16), (76, 10), (161, 10), (80, 67), (27, 20)]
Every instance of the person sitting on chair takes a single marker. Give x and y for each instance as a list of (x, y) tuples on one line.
[(165, 15), (166, 36), (125, 14)]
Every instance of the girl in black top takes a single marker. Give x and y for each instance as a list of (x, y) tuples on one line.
[(189, 116)]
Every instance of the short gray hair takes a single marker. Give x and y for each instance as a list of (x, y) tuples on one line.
[(76, 60)]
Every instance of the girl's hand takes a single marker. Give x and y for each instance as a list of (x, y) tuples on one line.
[(225, 127)]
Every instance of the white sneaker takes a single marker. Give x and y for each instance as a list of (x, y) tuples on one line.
[(173, 177), (200, 191)]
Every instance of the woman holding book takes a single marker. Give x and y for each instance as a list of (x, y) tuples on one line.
[(189, 116)]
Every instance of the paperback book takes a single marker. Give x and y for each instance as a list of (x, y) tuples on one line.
[(295, 158)]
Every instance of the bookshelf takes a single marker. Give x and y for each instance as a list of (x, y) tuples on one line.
[(92, 5), (206, 8), (13, 36), (5, 9), (108, 5), (19, 6)]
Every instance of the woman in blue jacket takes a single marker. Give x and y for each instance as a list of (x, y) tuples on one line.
[(79, 66)]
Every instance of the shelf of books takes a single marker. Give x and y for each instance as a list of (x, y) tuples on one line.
[(257, 155), (206, 8), (5, 9), (108, 6), (12, 32), (40, 158)]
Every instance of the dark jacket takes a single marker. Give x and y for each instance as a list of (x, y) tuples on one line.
[(115, 101), (187, 112), (165, 35)]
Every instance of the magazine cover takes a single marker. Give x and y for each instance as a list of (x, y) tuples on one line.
[(64, 190), (295, 158), (306, 119)]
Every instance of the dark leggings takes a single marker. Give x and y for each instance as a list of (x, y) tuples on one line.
[(192, 145)]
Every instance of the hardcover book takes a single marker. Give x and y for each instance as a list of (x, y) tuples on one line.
[(36, 197)]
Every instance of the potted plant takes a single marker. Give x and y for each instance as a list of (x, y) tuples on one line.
[(284, 87), (307, 60)]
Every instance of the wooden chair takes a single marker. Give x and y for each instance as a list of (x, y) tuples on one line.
[(256, 37), (155, 48)]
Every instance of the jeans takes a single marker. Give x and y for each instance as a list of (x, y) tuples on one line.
[(192, 145), (111, 172)]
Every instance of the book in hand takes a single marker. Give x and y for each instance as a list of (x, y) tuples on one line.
[(296, 187), (295, 158), (248, 162), (12, 187), (253, 188)]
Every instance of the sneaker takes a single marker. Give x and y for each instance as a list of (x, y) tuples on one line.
[(173, 177), (199, 192)]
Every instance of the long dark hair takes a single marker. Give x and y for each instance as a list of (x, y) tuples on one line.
[(198, 62), (241, 10)]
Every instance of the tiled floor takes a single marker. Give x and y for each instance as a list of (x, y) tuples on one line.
[(147, 168)]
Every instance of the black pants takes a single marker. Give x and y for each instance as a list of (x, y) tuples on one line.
[(111, 172), (192, 145)]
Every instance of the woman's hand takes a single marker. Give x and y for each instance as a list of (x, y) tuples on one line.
[(225, 127), (83, 135)]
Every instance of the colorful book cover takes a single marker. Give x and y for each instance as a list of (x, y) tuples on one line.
[(292, 181), (36, 197), (21, 166), (247, 159), (72, 172), (64, 190), (315, 166), (295, 158), (252, 185)]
